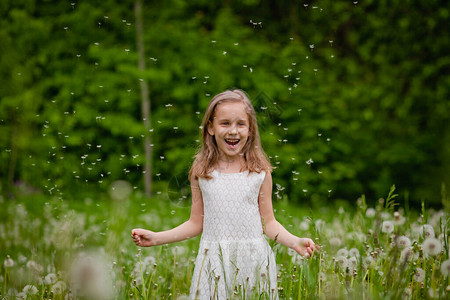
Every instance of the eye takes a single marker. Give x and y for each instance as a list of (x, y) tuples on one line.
[(225, 123)]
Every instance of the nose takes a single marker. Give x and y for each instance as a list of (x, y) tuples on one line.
[(233, 129)]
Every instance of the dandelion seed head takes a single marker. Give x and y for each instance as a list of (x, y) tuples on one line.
[(367, 261), (387, 227), (59, 287), (30, 290), (385, 215), (407, 254), (403, 242), (342, 252), (335, 242), (354, 252), (342, 262), (427, 231), (433, 293), (419, 275), (50, 279), (304, 225), (370, 212), (431, 246), (445, 267), (9, 263)]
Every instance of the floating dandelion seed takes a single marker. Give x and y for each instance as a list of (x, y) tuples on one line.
[(387, 227), (431, 246)]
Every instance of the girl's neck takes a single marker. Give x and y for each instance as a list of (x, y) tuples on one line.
[(230, 165)]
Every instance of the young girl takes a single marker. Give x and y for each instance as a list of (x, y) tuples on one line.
[(231, 186)]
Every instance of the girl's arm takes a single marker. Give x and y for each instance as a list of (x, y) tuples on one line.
[(189, 229), (273, 229)]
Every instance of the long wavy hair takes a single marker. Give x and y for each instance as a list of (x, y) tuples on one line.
[(255, 159)]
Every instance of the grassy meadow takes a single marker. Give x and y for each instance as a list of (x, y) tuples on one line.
[(56, 249)]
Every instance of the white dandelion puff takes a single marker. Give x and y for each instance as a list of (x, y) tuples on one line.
[(403, 242), (353, 262), (445, 268), (427, 231), (90, 278), (335, 242), (342, 262), (385, 215), (59, 288), (291, 252), (370, 212), (407, 254), (319, 224), (431, 246), (50, 279), (30, 290), (368, 261), (419, 275), (387, 227), (304, 225), (34, 266), (433, 293), (342, 252), (399, 219), (9, 263), (354, 252)]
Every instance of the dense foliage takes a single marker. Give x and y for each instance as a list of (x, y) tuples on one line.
[(352, 96)]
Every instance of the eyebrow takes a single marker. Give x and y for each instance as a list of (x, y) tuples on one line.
[(227, 119)]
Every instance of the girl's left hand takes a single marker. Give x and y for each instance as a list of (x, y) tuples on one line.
[(306, 247)]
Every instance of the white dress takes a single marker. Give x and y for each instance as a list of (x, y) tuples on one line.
[(234, 259)]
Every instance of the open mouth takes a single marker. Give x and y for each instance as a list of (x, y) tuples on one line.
[(232, 142)]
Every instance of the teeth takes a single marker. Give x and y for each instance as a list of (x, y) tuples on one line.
[(232, 141)]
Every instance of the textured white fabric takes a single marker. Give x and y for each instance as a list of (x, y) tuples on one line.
[(234, 257)]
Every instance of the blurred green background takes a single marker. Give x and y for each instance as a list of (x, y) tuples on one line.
[(352, 96)]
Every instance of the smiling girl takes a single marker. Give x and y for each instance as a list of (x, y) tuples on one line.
[(231, 187)]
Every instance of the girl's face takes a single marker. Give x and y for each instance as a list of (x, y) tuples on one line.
[(230, 127)]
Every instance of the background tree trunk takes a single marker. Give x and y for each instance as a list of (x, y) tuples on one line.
[(146, 109)]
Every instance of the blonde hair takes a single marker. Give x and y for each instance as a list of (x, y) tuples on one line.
[(255, 159)]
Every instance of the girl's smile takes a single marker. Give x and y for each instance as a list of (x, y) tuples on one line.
[(230, 128)]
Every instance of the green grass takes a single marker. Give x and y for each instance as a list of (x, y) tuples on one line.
[(56, 249)]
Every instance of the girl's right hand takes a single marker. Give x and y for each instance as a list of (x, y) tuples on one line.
[(143, 237)]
